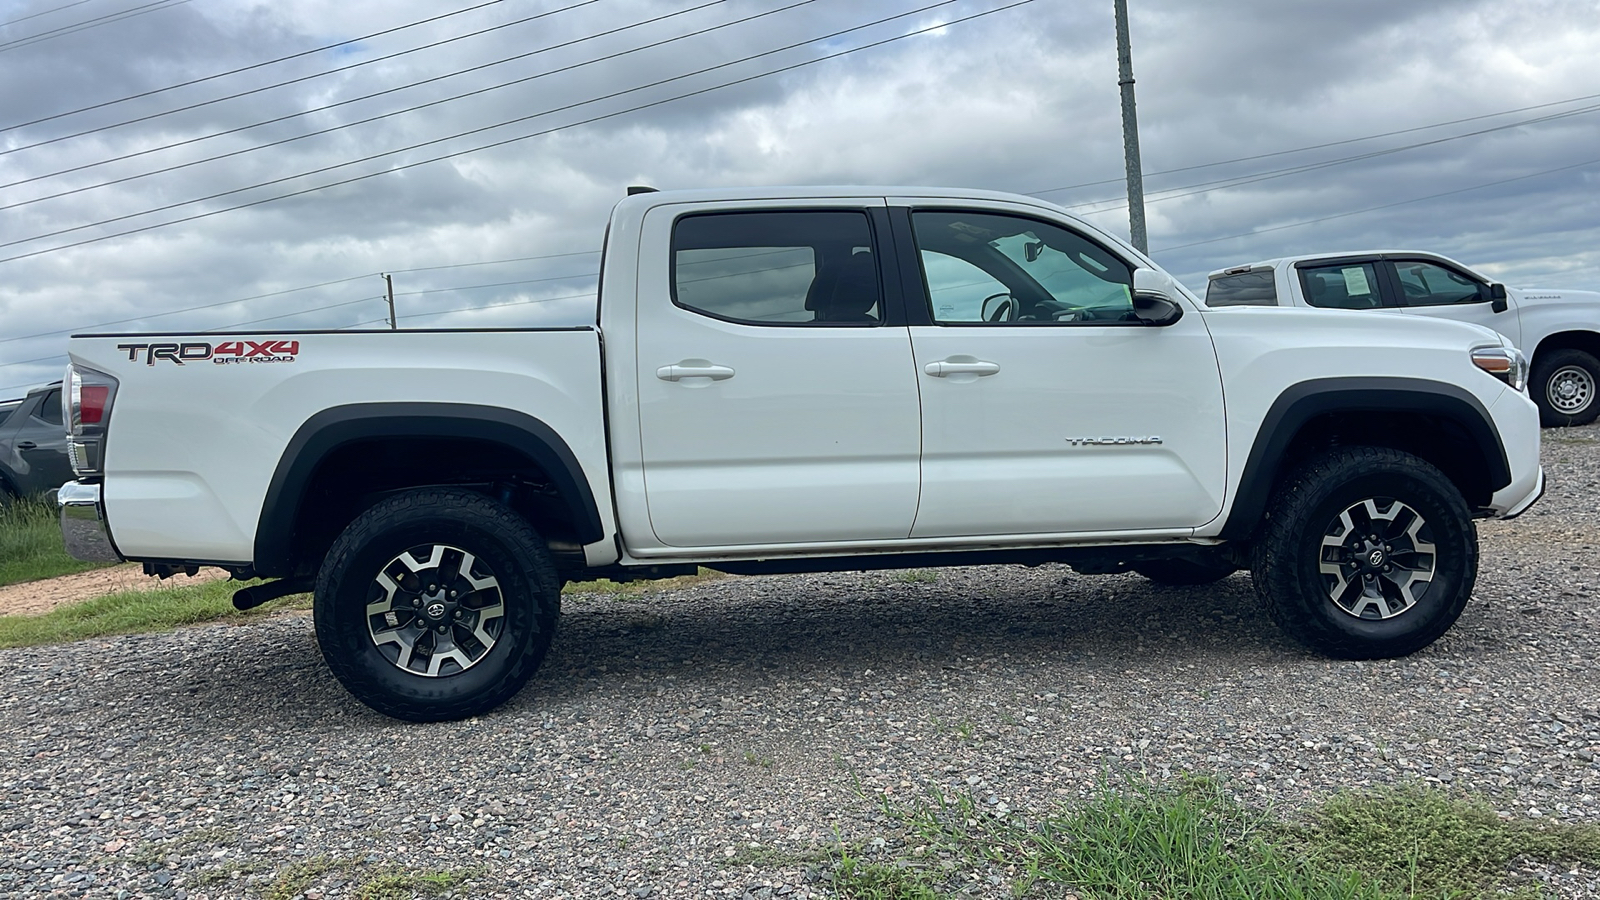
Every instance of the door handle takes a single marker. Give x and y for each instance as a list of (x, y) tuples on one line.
[(694, 368), (960, 365), (26, 445)]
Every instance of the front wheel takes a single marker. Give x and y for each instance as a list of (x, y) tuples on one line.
[(1367, 553), (1563, 386), (436, 604)]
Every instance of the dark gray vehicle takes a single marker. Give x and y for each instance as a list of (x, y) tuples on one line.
[(33, 445)]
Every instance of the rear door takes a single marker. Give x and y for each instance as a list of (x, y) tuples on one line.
[(1352, 283), (777, 400)]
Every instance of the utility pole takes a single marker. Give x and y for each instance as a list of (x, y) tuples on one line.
[(1130, 132), (388, 282)]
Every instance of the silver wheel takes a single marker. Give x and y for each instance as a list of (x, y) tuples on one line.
[(435, 610), (1378, 559), (1570, 390)]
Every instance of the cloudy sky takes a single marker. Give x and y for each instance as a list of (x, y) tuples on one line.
[(201, 164)]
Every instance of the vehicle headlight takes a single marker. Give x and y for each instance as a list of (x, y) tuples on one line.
[(1505, 363)]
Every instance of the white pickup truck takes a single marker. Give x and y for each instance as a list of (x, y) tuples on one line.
[(806, 379), (1559, 330)]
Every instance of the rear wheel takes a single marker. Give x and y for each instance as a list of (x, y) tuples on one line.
[(1563, 385), (1367, 553), (436, 604)]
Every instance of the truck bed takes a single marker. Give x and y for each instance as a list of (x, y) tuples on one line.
[(209, 417)]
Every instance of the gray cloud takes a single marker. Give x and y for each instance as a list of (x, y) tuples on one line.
[(1023, 100)]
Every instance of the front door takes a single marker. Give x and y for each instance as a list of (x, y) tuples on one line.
[(1430, 289), (777, 401), (1047, 407)]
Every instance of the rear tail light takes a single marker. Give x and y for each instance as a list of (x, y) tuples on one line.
[(90, 395)]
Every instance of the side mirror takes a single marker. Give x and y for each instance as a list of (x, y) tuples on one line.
[(1156, 309), (1497, 298), (1152, 297)]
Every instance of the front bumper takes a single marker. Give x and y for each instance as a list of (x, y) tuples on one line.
[(1521, 506), (83, 523)]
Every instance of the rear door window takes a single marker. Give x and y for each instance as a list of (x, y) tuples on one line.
[(1342, 286), (50, 409), (802, 267)]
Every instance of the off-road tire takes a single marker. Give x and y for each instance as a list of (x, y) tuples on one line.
[(1579, 373), (1184, 572), (1289, 553), (503, 545)]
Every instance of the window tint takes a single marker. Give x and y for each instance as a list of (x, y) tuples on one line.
[(1348, 286), (988, 268), (1425, 284), (50, 408), (6, 409), (1243, 289), (782, 268)]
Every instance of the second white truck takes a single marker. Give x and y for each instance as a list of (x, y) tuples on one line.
[(806, 379), (1559, 330)]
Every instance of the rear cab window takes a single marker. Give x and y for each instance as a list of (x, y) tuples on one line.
[(1252, 287)]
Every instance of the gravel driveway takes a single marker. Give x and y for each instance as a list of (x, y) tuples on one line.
[(673, 741)]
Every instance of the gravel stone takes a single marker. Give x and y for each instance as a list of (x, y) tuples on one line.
[(708, 742)]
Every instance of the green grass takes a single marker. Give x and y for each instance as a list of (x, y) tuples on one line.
[(387, 883), (1145, 842), (30, 544), (1425, 841), (632, 590), (133, 612), (165, 608)]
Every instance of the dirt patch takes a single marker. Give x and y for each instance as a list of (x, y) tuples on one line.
[(32, 598)]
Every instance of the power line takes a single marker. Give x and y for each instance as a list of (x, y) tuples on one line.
[(26, 384), (369, 119), (464, 287), (298, 312), (26, 362), (1241, 180), (493, 262), (446, 312), (173, 312), (63, 31), (507, 141), (375, 118), (1358, 212), (259, 65), (314, 75), (293, 290), (475, 287), (1354, 140), (46, 12)]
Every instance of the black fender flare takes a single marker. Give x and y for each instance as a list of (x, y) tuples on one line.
[(1300, 403), (338, 426)]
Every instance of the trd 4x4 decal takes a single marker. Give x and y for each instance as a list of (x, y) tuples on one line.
[(225, 353)]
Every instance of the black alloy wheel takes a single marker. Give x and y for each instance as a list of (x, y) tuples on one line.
[(436, 604)]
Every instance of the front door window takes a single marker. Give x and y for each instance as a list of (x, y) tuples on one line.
[(1426, 284)]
